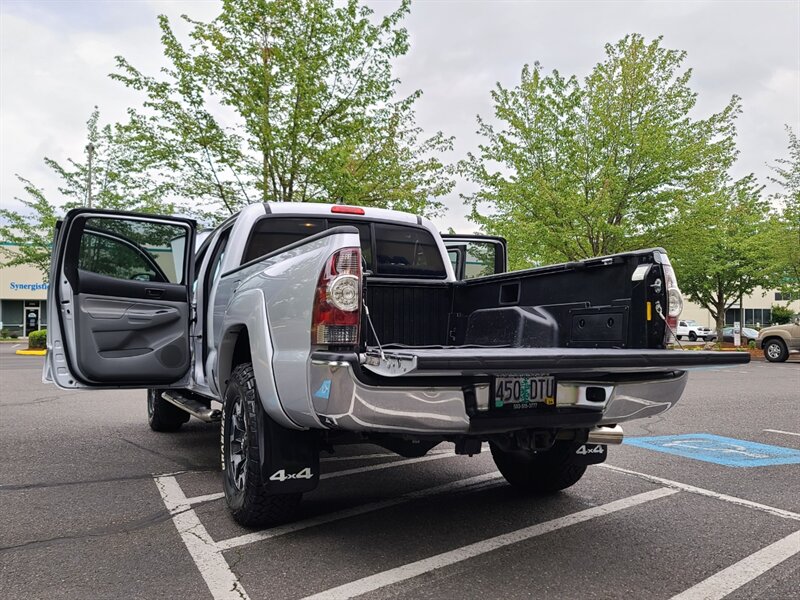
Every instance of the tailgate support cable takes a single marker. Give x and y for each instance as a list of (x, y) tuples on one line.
[(375, 333), (660, 313)]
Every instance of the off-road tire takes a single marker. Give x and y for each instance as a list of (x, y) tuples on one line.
[(248, 501), (539, 472), (775, 350), (163, 416), (692, 336)]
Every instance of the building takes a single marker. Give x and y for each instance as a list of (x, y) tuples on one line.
[(23, 298), (757, 309)]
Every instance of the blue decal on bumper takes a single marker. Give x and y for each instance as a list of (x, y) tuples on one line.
[(720, 450), (324, 390)]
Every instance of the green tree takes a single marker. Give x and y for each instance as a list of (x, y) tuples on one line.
[(30, 230), (577, 169), (785, 230), (781, 314), (287, 101), (117, 184), (720, 247)]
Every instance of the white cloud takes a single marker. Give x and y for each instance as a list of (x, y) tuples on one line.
[(55, 57)]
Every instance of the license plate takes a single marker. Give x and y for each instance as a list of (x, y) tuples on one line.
[(524, 392)]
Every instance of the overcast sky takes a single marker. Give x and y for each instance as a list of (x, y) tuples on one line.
[(56, 56)]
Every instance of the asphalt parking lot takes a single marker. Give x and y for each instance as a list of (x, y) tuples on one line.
[(95, 505)]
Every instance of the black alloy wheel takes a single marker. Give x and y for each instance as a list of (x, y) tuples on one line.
[(244, 427)]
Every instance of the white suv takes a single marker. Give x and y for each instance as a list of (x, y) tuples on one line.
[(693, 330)]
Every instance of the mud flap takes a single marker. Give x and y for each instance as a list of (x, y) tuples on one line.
[(289, 458), (590, 454)]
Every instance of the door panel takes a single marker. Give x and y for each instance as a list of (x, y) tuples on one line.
[(150, 337), (121, 301)]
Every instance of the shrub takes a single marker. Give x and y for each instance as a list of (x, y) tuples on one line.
[(37, 340), (3, 333), (751, 344), (14, 335), (781, 314)]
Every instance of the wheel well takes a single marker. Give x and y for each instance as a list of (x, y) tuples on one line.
[(772, 337), (241, 351), (234, 350)]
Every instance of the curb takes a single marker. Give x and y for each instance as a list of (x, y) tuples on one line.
[(32, 352)]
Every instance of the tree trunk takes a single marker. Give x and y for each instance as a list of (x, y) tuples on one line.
[(741, 317), (720, 317)]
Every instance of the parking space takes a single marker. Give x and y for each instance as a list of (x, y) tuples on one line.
[(95, 505)]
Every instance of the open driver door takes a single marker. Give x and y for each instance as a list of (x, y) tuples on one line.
[(119, 302)]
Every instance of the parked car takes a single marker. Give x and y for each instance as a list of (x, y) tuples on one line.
[(314, 325), (779, 341), (747, 335), (692, 329)]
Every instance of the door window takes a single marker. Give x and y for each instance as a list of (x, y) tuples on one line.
[(481, 259), (133, 250)]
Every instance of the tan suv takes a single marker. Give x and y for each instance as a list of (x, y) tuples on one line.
[(779, 341)]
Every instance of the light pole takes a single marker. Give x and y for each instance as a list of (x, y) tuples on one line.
[(90, 152)]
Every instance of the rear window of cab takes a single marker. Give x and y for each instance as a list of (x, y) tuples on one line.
[(388, 249)]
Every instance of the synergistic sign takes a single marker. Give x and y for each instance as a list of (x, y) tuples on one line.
[(33, 287), (22, 282)]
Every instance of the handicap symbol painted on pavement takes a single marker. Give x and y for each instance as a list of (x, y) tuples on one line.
[(720, 450)]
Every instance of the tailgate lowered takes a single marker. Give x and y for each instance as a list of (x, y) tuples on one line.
[(488, 361)]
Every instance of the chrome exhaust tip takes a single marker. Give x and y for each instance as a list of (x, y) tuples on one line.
[(605, 434)]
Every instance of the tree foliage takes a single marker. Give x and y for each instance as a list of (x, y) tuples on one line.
[(30, 230), (574, 169), (117, 184), (781, 314), (286, 101), (785, 226), (720, 246)]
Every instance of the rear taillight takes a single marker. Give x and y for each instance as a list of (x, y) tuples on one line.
[(674, 300), (337, 302)]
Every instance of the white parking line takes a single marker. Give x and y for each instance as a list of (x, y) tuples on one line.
[(726, 581), (213, 567), (207, 554), (786, 514), (206, 498), (783, 432), (342, 473), (414, 569), (469, 484)]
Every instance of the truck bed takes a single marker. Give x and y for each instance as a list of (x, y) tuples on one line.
[(607, 302)]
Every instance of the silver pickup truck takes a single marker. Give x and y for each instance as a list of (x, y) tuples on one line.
[(318, 325)]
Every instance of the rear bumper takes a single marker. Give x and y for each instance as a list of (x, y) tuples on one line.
[(346, 397)]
